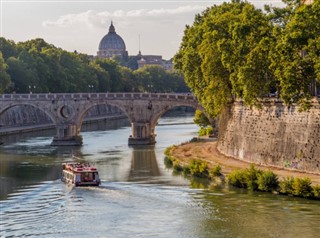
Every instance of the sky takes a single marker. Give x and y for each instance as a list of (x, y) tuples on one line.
[(80, 24)]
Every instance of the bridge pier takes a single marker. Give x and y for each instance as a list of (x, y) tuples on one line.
[(67, 135), (142, 134)]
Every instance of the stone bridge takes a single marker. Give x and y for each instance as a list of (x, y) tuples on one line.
[(68, 110)]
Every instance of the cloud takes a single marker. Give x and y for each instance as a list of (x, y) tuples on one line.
[(98, 19)]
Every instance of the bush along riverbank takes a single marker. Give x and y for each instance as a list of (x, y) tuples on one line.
[(251, 178)]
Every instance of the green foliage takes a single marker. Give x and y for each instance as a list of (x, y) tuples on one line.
[(168, 162), (302, 187), (201, 119), (177, 168), (268, 181), (251, 177), (225, 54), (205, 131), (215, 171), (234, 50), (40, 67), (154, 78), (4, 76), (295, 56), (316, 191), (199, 168), (237, 178), (286, 185), (205, 126)]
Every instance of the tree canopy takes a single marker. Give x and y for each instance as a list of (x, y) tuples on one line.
[(38, 67), (235, 50)]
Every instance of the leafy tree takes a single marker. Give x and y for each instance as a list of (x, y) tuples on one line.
[(112, 67), (201, 119), (46, 68), (7, 48), (4, 76), (153, 78), (295, 57), (225, 55)]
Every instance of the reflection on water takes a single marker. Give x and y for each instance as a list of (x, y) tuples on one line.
[(144, 164), (138, 197)]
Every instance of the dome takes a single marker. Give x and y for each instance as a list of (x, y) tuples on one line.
[(112, 44)]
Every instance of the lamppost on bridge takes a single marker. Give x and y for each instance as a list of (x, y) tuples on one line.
[(32, 87), (150, 86), (90, 86)]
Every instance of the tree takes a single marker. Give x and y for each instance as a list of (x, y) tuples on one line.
[(4, 76), (225, 55), (201, 119), (295, 57)]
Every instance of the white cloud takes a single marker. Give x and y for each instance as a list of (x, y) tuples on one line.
[(98, 19)]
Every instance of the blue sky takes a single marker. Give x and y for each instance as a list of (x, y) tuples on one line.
[(80, 25)]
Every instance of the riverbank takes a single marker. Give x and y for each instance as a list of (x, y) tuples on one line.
[(207, 151)]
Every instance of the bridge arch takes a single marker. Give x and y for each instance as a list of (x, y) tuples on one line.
[(84, 111), (158, 114), (8, 106)]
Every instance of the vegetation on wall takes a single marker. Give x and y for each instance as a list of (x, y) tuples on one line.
[(235, 50), (38, 67)]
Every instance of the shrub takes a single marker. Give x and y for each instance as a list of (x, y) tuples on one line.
[(177, 168), (202, 131), (205, 131), (286, 185), (237, 178), (216, 171), (168, 162), (316, 191), (267, 181), (186, 171), (199, 168), (251, 177), (302, 187), (168, 150)]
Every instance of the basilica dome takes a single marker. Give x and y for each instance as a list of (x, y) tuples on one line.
[(112, 45)]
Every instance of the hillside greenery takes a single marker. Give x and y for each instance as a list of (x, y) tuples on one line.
[(39, 67), (235, 50)]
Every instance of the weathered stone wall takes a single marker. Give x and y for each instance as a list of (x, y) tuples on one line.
[(275, 135)]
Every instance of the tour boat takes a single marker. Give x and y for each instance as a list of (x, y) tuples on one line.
[(80, 174)]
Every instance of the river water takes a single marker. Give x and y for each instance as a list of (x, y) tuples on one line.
[(138, 197)]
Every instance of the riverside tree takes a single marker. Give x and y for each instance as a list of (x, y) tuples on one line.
[(237, 51), (225, 55), (296, 55)]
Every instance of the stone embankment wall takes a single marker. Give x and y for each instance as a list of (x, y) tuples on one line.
[(275, 135)]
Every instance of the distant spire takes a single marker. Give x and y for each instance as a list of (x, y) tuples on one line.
[(139, 47), (111, 28)]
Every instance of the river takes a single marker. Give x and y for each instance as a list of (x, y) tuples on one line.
[(138, 197)]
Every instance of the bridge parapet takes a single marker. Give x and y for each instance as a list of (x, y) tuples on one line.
[(86, 96)]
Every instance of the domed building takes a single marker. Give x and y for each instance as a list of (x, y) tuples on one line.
[(112, 45)]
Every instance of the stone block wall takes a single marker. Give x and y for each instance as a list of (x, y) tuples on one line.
[(276, 135)]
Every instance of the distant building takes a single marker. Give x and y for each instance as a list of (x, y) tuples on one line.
[(154, 60), (112, 45), (167, 64), (149, 60)]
